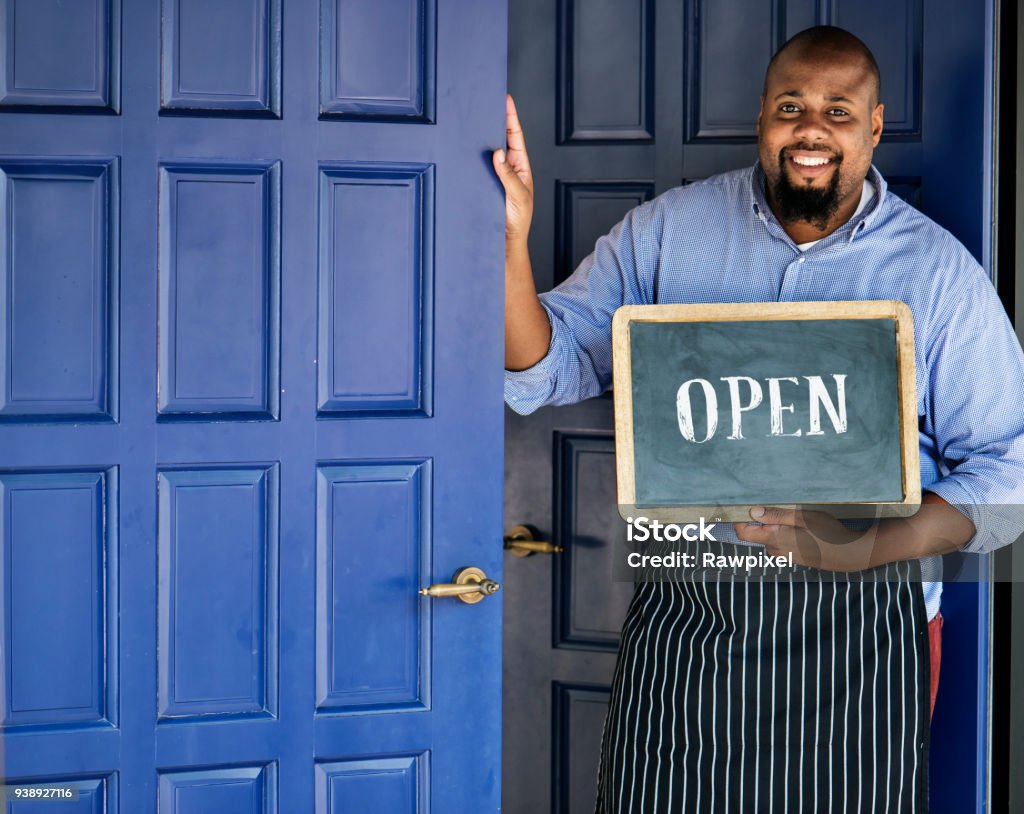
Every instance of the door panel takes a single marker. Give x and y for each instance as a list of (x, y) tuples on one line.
[(86, 35), (59, 269), (228, 218), (696, 78), (251, 363), (389, 310), (578, 711), (64, 676), (583, 210), (378, 61), (606, 84), (223, 57), (589, 603), (373, 526), (217, 555)]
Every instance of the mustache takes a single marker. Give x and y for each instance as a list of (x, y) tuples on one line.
[(803, 147)]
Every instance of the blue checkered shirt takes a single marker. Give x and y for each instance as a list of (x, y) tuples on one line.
[(717, 240)]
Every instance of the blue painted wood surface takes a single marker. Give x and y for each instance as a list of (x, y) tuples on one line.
[(251, 368)]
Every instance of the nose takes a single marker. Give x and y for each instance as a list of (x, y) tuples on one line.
[(812, 126)]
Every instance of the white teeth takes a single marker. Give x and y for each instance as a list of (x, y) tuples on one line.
[(806, 161)]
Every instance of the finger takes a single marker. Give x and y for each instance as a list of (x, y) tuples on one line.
[(782, 541), (776, 516), (506, 173), (513, 129), (773, 536), (517, 191), (509, 165), (517, 156), (754, 533)]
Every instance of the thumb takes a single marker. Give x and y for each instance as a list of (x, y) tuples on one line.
[(502, 168), (500, 161)]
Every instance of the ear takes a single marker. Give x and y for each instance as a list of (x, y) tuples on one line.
[(877, 121), (760, 110)]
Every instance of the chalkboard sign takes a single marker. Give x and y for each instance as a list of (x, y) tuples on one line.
[(726, 406)]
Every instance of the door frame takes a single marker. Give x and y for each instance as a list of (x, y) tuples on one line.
[(1006, 618)]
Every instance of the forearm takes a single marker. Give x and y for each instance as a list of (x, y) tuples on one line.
[(527, 330), (937, 528)]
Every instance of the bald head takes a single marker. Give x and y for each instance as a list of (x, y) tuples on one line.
[(827, 43)]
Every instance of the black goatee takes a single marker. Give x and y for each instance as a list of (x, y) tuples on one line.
[(814, 206)]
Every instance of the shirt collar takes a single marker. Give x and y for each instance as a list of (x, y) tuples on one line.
[(855, 226)]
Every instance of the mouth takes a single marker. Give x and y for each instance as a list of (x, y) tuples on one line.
[(810, 164)]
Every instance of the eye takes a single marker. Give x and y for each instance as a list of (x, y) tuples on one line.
[(788, 107), (838, 112)]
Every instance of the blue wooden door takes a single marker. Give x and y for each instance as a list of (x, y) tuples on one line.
[(621, 100), (251, 298)]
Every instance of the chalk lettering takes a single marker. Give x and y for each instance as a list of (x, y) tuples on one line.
[(738, 409), (818, 397), (684, 410), (775, 399)]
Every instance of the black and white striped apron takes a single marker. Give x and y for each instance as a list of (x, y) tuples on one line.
[(806, 692)]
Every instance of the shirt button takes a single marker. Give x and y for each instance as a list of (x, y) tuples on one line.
[(801, 259)]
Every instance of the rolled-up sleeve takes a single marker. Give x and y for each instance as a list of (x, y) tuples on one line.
[(976, 393), (527, 390), (578, 364)]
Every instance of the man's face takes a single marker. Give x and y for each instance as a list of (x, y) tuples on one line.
[(817, 129)]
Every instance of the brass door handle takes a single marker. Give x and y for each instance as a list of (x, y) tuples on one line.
[(520, 542), (468, 584)]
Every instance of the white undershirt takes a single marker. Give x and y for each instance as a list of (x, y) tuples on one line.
[(865, 197)]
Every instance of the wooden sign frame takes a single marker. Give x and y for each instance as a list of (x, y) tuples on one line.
[(765, 312)]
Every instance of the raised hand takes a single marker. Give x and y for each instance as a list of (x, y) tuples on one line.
[(513, 169)]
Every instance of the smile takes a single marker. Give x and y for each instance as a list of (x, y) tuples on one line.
[(807, 161)]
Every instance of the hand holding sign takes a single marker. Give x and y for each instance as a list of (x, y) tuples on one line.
[(816, 539)]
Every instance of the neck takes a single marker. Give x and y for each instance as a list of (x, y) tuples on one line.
[(803, 231)]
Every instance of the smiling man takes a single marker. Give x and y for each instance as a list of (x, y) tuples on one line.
[(820, 120), (807, 693)]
